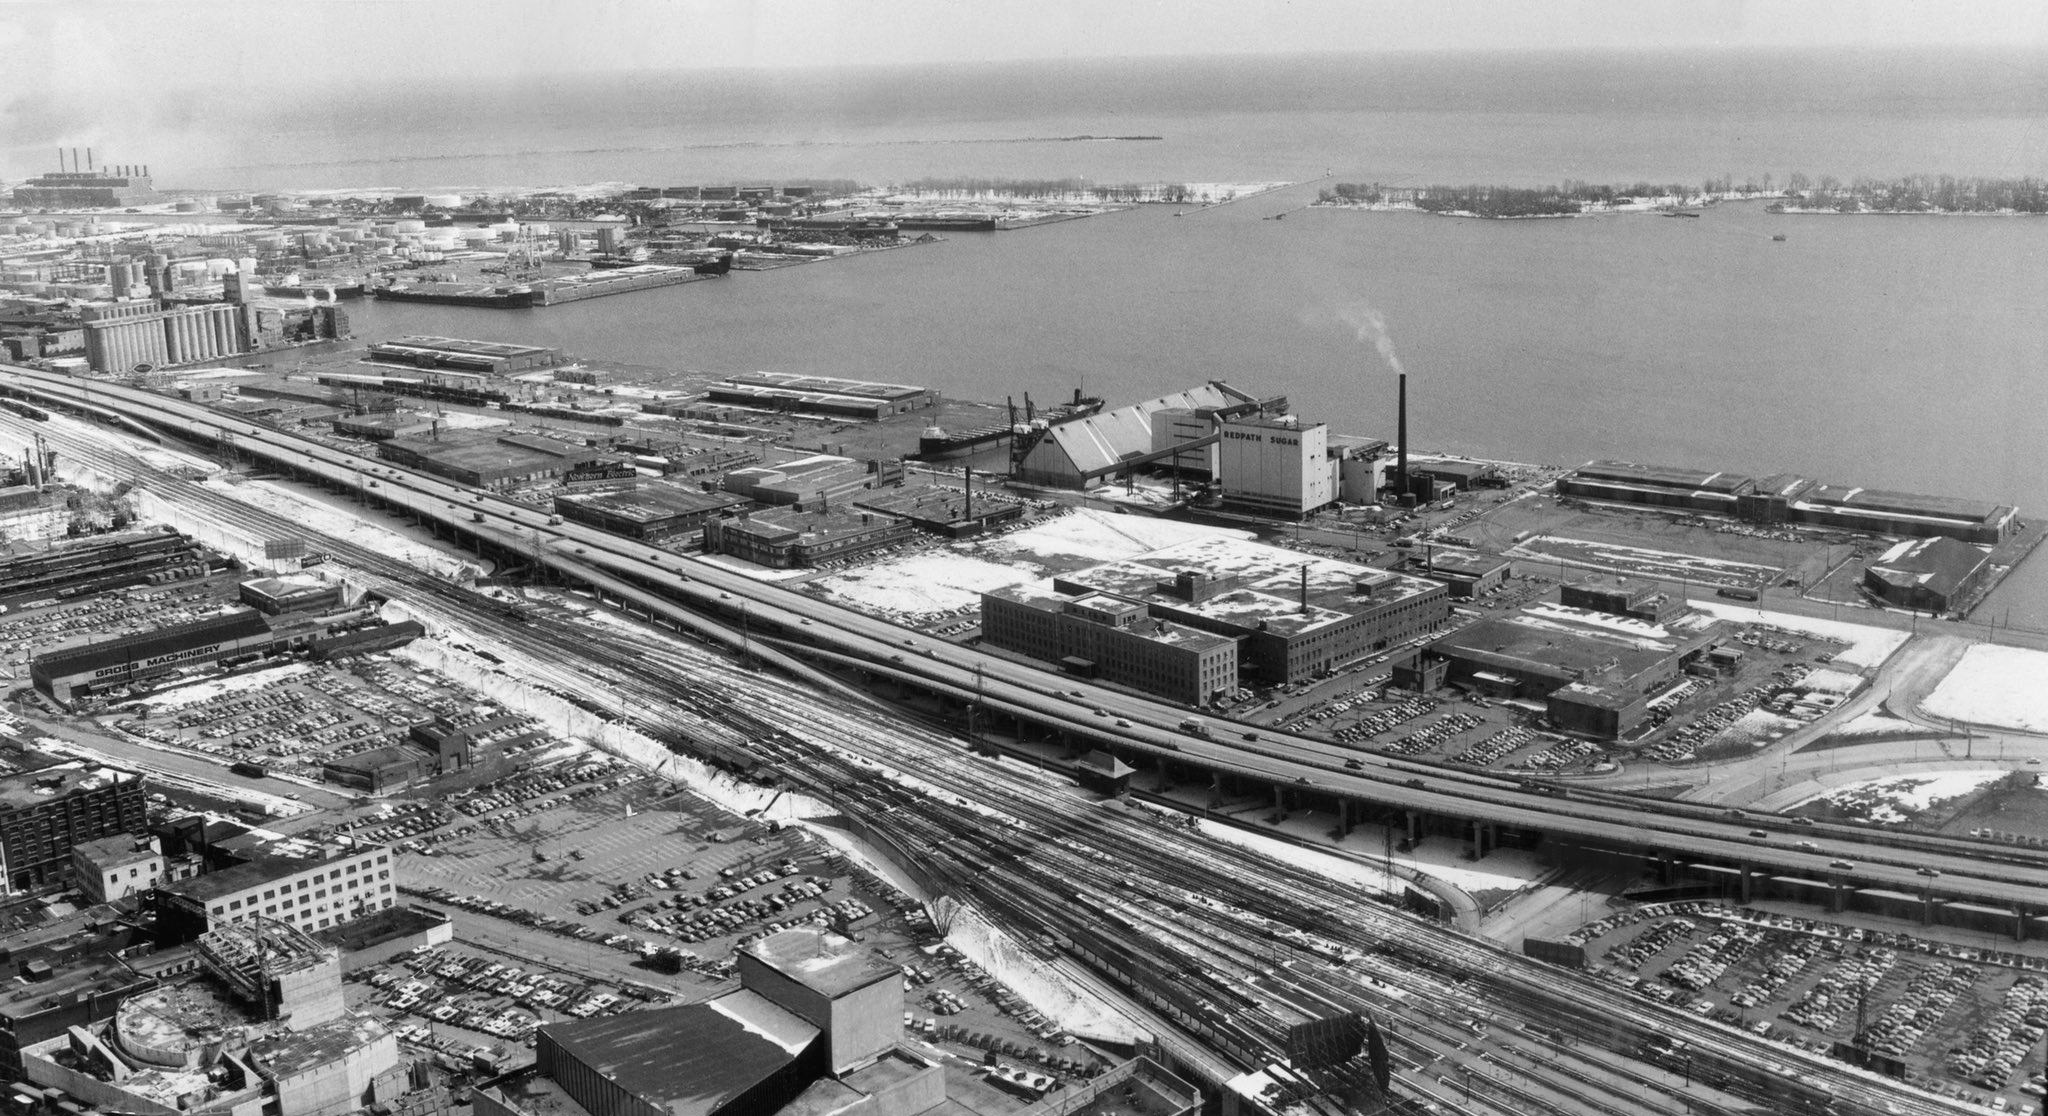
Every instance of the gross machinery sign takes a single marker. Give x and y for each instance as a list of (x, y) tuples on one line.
[(159, 660)]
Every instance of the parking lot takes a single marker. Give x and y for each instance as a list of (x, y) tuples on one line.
[(291, 718), (1964, 1021)]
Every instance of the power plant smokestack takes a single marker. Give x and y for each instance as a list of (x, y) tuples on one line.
[(74, 160), (970, 493), (1401, 468), (88, 158)]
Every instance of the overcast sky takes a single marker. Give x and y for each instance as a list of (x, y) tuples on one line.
[(174, 42)]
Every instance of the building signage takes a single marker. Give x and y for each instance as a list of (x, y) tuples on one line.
[(159, 660), (602, 471)]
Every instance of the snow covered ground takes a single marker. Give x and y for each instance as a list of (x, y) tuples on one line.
[(1868, 646), (1895, 798), (221, 687), (748, 569), (1756, 728), (1874, 722), (464, 420), (1343, 870), (2002, 686), (1826, 681), (930, 581), (1039, 984), (1444, 858), (345, 523), (1099, 536)]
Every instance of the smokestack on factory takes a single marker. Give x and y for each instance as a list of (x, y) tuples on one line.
[(1401, 464)]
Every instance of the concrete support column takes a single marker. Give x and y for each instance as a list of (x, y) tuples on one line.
[(1926, 909), (1667, 869), (1279, 797), (1748, 880), (1838, 897), (1343, 818), (2019, 924), (1414, 827)]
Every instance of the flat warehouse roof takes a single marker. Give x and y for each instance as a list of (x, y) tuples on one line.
[(1905, 503), (1662, 476), (461, 345), (823, 385), (645, 505), (241, 623)]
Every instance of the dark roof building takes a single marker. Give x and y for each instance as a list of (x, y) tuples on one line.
[(821, 395), (47, 811), (1928, 575), (487, 461), (1786, 498), (129, 659), (785, 539), (494, 358), (658, 513), (1468, 573), (1596, 671)]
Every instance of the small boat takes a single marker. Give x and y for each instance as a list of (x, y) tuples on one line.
[(1677, 213), (1778, 236), (1179, 213)]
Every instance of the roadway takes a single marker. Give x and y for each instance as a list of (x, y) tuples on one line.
[(660, 580)]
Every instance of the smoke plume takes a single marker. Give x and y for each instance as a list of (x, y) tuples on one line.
[(1373, 329)]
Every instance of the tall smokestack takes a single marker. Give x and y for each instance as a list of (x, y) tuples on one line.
[(74, 160), (970, 493), (1304, 586), (88, 158), (1401, 469)]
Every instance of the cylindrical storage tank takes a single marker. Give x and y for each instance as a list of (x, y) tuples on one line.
[(536, 228), (190, 267), (445, 201), (476, 238), (408, 225), (186, 207), (217, 268)]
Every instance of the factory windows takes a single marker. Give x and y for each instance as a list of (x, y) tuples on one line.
[(271, 894), (304, 884)]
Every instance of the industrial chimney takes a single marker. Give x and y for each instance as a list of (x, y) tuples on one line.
[(970, 493), (1304, 586), (88, 158), (1401, 469)]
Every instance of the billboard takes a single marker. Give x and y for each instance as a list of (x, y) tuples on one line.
[(1555, 953), (274, 549), (1323, 1043)]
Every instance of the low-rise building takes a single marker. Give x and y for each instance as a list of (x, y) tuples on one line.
[(118, 866), (657, 513), (807, 483), (1622, 596), (493, 358), (1468, 573), (1596, 671), (782, 540), (484, 460), (1928, 575), (820, 395)]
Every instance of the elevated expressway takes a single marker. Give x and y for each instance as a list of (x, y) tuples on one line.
[(1831, 864)]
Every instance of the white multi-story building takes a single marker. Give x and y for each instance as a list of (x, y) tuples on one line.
[(1279, 465), (310, 887)]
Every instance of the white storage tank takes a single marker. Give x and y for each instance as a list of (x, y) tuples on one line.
[(444, 201)]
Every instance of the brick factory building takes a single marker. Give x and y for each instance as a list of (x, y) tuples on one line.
[(1115, 640), (487, 461), (44, 813)]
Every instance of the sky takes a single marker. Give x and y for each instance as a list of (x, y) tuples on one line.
[(116, 72), (125, 46)]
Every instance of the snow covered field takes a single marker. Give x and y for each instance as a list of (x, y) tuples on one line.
[(931, 581), (1094, 536), (1340, 869), (1868, 646), (2006, 687), (345, 523), (1895, 798)]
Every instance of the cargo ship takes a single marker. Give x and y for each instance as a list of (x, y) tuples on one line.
[(459, 294), (345, 289), (859, 227), (949, 222)]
